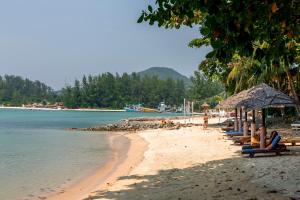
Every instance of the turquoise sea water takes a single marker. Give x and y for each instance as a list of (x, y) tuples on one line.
[(38, 155)]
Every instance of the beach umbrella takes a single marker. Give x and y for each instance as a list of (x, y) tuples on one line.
[(259, 97), (263, 96), (205, 106)]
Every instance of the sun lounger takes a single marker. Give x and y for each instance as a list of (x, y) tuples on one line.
[(230, 128), (296, 125), (268, 142), (245, 140), (294, 141), (289, 141), (234, 133), (241, 140), (274, 147)]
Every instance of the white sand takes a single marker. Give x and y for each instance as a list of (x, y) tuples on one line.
[(192, 163)]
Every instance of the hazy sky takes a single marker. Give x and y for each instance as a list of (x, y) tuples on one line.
[(56, 41)]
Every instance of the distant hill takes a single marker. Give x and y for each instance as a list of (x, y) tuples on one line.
[(165, 73)]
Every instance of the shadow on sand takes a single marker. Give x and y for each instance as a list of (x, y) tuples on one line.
[(234, 178)]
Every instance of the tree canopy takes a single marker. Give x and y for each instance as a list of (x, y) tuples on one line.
[(263, 34), (14, 90), (114, 91)]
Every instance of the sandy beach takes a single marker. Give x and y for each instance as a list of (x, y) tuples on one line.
[(191, 163), (126, 153)]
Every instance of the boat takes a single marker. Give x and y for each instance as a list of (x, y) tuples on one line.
[(133, 108), (162, 107), (138, 108), (148, 110)]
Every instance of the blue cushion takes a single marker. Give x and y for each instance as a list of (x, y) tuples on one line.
[(274, 145), (233, 132), (275, 141), (249, 150)]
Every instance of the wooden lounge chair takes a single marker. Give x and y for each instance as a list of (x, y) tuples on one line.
[(234, 133), (229, 128), (274, 147), (288, 141), (245, 140), (296, 125), (293, 141)]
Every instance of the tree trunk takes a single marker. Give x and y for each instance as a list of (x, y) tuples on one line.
[(292, 86)]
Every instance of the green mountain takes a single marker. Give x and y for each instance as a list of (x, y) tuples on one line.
[(165, 73)]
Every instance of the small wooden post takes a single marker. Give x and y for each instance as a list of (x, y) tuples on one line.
[(241, 120), (245, 124), (263, 131), (205, 106), (253, 127), (235, 120)]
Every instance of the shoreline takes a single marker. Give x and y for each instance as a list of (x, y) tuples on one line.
[(119, 165), (189, 163), (65, 109), (127, 152), (192, 163)]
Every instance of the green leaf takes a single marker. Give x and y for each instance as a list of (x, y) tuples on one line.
[(141, 19), (150, 8), (211, 54), (216, 44)]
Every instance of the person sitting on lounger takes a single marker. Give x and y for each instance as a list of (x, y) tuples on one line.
[(274, 147)]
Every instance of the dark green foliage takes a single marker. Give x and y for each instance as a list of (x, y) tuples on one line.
[(203, 88), (266, 32), (16, 91), (109, 91), (115, 91)]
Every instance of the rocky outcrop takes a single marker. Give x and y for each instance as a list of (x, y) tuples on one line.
[(137, 125)]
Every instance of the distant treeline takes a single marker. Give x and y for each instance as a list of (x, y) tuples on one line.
[(115, 91), (111, 91), (16, 91)]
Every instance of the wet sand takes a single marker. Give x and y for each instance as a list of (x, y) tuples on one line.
[(127, 152)]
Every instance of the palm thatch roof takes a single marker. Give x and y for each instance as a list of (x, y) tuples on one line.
[(204, 105), (260, 96)]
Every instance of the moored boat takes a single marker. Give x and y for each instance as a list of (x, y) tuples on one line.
[(133, 108)]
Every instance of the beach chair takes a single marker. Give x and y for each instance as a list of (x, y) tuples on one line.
[(234, 133), (274, 147), (268, 142), (288, 141), (227, 128), (296, 125), (293, 141), (241, 140)]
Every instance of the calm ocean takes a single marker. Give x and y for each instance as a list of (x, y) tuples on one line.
[(38, 156)]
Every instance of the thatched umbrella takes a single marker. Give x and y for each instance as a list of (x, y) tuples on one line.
[(263, 96), (259, 97), (232, 102), (205, 106)]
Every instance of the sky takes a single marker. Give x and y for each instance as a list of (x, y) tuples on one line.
[(57, 41)]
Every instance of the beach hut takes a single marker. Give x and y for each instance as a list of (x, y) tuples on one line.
[(233, 102), (259, 97), (205, 106)]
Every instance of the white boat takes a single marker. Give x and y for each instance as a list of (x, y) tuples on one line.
[(133, 108), (162, 107)]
